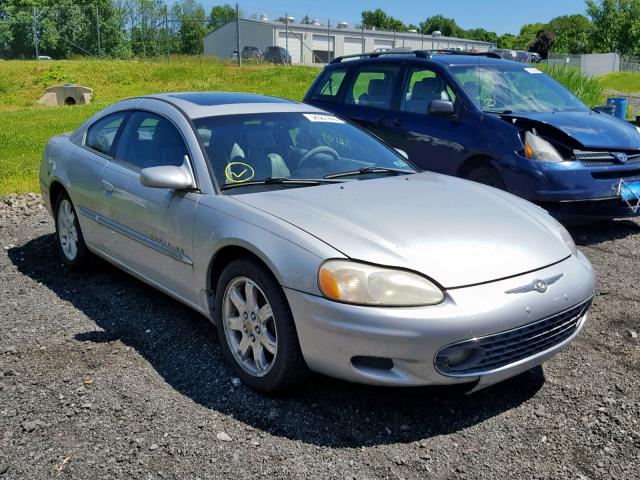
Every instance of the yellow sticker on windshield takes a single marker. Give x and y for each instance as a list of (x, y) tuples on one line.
[(238, 172)]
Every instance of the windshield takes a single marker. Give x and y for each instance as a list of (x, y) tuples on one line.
[(505, 89), (254, 147)]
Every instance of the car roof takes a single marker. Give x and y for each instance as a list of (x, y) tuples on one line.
[(207, 104), (445, 60)]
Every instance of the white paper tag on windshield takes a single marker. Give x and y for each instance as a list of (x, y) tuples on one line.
[(532, 70), (315, 117)]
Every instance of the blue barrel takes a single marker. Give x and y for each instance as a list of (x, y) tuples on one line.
[(621, 104)]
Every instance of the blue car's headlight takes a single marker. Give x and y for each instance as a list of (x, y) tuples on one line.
[(536, 148), (363, 284)]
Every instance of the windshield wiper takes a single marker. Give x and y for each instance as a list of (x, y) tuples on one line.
[(278, 181), (366, 170)]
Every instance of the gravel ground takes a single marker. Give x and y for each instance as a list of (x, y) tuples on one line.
[(102, 376)]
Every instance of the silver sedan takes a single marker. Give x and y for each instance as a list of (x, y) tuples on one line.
[(312, 245)]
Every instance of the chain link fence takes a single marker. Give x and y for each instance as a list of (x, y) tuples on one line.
[(126, 29)]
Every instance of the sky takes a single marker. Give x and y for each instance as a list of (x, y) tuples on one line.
[(501, 16)]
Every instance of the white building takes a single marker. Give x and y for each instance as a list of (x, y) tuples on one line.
[(308, 44)]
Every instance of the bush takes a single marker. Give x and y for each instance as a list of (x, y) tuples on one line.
[(587, 89)]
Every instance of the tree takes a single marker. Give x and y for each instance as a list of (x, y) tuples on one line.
[(380, 20), (616, 25), (440, 23), (221, 14), (482, 35), (543, 43), (192, 27), (572, 34)]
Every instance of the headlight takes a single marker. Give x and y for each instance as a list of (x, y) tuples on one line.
[(638, 129), (362, 284), (536, 148), (566, 236)]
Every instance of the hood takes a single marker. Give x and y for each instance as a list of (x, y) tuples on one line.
[(454, 231), (590, 129)]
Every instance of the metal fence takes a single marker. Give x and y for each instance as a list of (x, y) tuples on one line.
[(132, 29), (595, 64)]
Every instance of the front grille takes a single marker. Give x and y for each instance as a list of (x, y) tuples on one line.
[(597, 159), (489, 353)]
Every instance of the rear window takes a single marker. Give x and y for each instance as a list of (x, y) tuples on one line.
[(328, 87)]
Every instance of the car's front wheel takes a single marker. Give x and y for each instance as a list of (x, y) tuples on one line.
[(73, 250), (256, 328), (486, 175)]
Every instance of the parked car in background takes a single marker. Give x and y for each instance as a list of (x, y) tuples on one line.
[(313, 245), (252, 53), (44, 57), (277, 55), (493, 121), (234, 55), (504, 53)]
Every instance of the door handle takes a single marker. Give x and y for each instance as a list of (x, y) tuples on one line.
[(106, 186), (397, 122)]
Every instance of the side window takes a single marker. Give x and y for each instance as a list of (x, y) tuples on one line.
[(372, 86), (150, 141), (327, 89), (423, 86), (102, 134)]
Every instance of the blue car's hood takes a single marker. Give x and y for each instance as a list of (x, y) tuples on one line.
[(590, 129)]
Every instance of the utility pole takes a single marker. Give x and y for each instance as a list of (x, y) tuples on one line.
[(98, 29), (238, 34), (362, 36), (166, 33), (329, 40), (286, 31), (35, 32)]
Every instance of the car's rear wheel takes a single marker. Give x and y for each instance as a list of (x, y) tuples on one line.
[(73, 250), (256, 328), (486, 175)]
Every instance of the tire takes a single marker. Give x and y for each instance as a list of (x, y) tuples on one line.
[(487, 175), (73, 251), (241, 329)]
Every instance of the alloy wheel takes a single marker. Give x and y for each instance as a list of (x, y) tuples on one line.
[(249, 326)]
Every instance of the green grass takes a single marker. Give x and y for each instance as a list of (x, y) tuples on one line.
[(26, 126), (621, 81)]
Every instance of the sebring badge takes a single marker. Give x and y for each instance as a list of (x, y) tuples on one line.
[(537, 285)]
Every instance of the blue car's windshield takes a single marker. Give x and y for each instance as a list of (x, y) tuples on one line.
[(256, 147), (513, 88)]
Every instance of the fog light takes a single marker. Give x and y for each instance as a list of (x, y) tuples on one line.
[(458, 358)]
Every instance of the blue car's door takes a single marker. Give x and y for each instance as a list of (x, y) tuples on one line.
[(368, 96), (436, 143)]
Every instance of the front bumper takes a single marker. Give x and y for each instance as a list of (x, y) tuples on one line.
[(570, 188), (333, 334)]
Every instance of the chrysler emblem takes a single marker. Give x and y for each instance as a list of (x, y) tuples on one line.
[(540, 286)]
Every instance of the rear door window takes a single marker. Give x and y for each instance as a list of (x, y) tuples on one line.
[(329, 86), (373, 86), (102, 135)]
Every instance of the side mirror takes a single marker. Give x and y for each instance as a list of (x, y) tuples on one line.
[(441, 108), (169, 176), (404, 154)]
